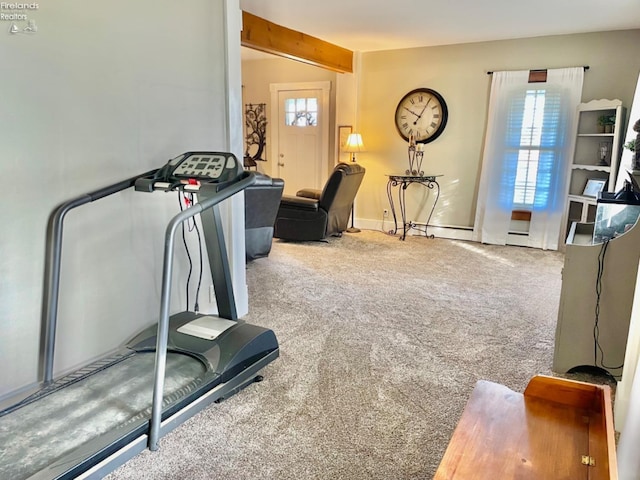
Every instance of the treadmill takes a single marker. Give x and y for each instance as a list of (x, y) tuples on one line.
[(91, 421)]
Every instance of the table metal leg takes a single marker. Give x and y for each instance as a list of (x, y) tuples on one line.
[(431, 186), (390, 185), (403, 211)]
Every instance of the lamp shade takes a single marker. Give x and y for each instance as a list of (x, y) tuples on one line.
[(354, 143)]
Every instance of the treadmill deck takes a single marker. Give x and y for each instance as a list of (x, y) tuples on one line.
[(41, 433)]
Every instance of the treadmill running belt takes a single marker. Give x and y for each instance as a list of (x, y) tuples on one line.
[(36, 435)]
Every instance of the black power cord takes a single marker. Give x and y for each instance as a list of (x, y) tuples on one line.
[(189, 200), (186, 249), (596, 326), (196, 307)]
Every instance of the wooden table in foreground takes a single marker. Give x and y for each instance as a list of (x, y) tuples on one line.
[(559, 429)]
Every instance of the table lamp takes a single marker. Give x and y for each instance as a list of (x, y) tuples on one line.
[(354, 145)]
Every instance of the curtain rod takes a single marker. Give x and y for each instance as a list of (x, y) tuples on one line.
[(586, 67)]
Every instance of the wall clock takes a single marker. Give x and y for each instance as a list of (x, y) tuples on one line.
[(422, 113)]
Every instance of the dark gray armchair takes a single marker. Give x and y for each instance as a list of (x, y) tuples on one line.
[(316, 214), (261, 201)]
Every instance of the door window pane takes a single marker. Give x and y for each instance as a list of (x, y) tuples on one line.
[(301, 112)]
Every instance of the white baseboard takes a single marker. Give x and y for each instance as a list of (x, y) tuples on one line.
[(451, 232)]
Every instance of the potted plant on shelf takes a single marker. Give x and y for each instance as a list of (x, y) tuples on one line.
[(631, 146), (606, 123), (610, 124)]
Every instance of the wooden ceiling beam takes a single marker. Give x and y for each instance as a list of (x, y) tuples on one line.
[(263, 35)]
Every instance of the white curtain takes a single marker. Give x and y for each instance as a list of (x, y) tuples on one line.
[(509, 90), (497, 180)]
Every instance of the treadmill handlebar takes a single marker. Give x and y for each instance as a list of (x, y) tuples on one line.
[(215, 193), (218, 193), (118, 187), (52, 265)]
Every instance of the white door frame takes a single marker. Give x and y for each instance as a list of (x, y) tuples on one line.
[(233, 208), (275, 89)]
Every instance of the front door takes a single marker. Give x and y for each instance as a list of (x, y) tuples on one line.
[(301, 140)]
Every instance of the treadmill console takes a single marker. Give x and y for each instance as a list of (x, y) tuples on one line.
[(189, 170)]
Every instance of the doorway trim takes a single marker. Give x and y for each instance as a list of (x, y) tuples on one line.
[(275, 89)]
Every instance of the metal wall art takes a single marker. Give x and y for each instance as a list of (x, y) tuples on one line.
[(255, 134)]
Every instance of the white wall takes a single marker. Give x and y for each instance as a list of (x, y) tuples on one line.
[(627, 399), (103, 91)]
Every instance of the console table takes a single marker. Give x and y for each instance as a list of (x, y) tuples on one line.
[(402, 182)]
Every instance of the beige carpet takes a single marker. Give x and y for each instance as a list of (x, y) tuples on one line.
[(381, 344)]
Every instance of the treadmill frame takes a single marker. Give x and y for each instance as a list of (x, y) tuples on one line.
[(130, 443)]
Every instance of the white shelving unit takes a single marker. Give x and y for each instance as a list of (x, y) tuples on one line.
[(586, 162)]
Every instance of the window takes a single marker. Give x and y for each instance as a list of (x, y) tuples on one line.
[(301, 112), (527, 155), (534, 135)]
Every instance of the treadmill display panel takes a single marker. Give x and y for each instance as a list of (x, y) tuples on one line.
[(208, 167)]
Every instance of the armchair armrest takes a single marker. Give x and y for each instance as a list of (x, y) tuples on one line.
[(301, 203), (309, 193)]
